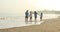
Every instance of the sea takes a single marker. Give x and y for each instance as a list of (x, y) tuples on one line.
[(18, 20)]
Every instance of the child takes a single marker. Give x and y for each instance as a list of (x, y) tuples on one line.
[(30, 16), (35, 14), (41, 16)]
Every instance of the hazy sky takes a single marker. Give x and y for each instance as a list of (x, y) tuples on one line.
[(18, 6), (45, 4)]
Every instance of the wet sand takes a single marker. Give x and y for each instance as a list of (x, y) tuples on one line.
[(50, 25)]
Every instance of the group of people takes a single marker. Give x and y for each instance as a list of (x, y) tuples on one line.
[(27, 14)]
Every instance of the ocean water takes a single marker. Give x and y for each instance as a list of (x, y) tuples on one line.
[(10, 21)]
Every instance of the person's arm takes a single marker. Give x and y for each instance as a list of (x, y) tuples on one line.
[(28, 15), (25, 13)]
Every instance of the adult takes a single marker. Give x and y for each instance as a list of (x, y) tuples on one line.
[(26, 16)]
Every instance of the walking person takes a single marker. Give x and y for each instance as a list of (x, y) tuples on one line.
[(26, 16), (35, 15), (41, 16), (31, 16)]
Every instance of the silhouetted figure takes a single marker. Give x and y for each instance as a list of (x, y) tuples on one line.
[(41, 16), (31, 16), (35, 15), (26, 16)]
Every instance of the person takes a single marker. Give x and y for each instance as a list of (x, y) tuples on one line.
[(26, 16), (41, 16), (35, 14), (30, 16)]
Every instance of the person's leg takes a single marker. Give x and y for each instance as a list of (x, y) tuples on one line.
[(35, 20), (35, 17), (30, 19), (40, 18), (26, 19)]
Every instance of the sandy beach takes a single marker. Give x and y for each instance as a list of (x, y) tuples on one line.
[(13, 15), (50, 25)]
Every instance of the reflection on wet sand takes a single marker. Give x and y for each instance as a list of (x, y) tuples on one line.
[(31, 21), (35, 21)]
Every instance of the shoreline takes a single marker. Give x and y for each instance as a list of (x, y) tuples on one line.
[(50, 25)]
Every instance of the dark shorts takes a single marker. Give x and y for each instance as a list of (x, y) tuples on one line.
[(40, 17), (30, 17), (26, 16), (35, 16)]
